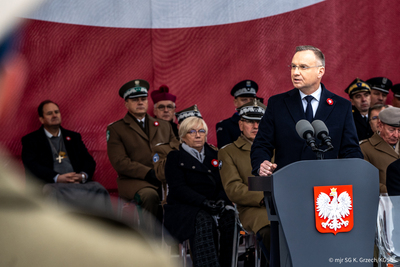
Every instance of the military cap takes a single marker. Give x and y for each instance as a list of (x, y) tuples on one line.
[(357, 86), (396, 90), (135, 88), (253, 110), (192, 111), (380, 83), (245, 88), (162, 94), (390, 116)]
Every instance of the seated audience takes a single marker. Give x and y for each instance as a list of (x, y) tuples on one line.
[(130, 144), (161, 150), (383, 147), (164, 106), (60, 159), (235, 168), (196, 198)]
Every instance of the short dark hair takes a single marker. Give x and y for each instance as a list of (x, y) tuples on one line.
[(41, 105), (376, 107), (316, 51)]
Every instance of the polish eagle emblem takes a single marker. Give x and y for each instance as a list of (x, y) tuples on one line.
[(333, 210)]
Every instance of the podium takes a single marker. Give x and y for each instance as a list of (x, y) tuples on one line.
[(289, 196)]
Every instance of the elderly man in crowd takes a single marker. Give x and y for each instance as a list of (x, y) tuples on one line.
[(383, 147), (373, 116), (235, 168)]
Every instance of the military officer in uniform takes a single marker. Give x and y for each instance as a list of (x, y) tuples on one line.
[(383, 147), (360, 97), (130, 144), (235, 168), (396, 95), (379, 89), (228, 129)]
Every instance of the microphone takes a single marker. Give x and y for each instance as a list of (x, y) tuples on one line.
[(306, 131), (322, 132)]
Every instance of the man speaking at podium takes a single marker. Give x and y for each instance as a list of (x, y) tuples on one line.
[(308, 100)]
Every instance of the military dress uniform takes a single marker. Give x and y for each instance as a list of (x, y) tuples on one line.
[(228, 129), (235, 170), (380, 154), (130, 150), (363, 127)]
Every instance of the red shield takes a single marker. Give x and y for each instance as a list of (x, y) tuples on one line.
[(333, 208)]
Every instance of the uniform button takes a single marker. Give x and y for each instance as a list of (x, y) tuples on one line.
[(193, 167), (209, 170), (181, 164)]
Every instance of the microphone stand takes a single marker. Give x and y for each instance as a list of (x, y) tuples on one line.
[(320, 152)]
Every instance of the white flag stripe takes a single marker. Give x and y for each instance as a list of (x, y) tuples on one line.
[(158, 14)]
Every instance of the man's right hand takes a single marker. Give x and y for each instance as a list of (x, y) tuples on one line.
[(267, 168), (69, 177)]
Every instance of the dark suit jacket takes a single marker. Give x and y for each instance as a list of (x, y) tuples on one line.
[(38, 157), (363, 127), (228, 130), (393, 178), (277, 130), (190, 183)]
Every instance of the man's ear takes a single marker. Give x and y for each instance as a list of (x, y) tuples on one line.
[(321, 72), (13, 75)]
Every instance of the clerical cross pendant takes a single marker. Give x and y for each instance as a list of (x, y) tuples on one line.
[(59, 158)]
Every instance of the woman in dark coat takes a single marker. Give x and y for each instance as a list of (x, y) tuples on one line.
[(196, 198)]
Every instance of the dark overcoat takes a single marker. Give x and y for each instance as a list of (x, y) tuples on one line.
[(190, 182), (228, 130), (277, 130), (38, 157)]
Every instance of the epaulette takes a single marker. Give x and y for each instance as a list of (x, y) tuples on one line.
[(362, 141), (114, 122), (213, 147), (225, 146)]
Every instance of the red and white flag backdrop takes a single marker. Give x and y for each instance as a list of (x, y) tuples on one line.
[(81, 52)]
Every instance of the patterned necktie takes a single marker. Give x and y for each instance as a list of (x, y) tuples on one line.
[(309, 110)]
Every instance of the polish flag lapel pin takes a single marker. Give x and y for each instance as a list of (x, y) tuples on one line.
[(156, 123), (329, 101)]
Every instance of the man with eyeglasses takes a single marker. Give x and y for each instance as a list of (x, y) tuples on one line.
[(235, 168), (373, 116), (383, 147), (164, 106), (380, 87), (228, 129), (360, 97), (130, 142), (308, 100)]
